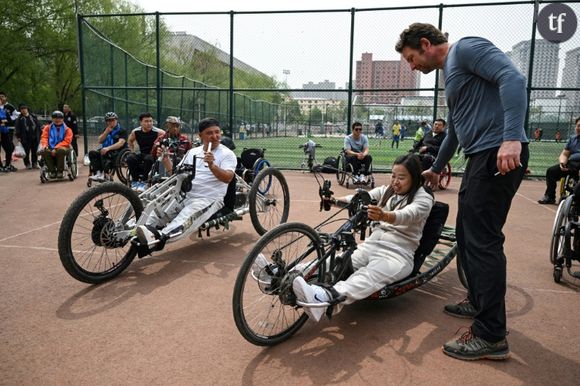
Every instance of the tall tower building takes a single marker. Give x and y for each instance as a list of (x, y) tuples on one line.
[(385, 74), (571, 79), (546, 64)]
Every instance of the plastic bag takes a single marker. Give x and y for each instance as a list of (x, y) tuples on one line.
[(86, 160), (19, 151)]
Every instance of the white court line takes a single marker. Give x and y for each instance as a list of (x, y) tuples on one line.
[(547, 207), (30, 231), (569, 292), (29, 247)]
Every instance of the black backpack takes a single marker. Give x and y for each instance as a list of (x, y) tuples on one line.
[(329, 165)]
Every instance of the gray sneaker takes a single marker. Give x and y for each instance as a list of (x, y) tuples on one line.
[(464, 309), (470, 348)]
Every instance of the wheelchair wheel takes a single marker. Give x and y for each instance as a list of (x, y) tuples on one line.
[(263, 301), (94, 236), (445, 177), (558, 242), (340, 170), (259, 165), (121, 167), (73, 171), (269, 200), (349, 175)]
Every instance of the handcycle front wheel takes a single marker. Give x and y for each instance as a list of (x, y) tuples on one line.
[(340, 169), (269, 200), (89, 245), (263, 302)]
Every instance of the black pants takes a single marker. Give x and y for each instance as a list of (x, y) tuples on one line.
[(30, 148), (553, 175), (75, 145), (139, 166), (105, 163), (7, 145), (358, 164), (426, 160), (484, 203)]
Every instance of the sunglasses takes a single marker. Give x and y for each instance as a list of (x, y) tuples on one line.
[(357, 129)]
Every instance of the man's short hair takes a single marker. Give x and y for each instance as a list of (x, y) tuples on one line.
[(145, 115), (411, 37), (355, 124), (3, 93), (207, 122), (577, 119), (441, 120)]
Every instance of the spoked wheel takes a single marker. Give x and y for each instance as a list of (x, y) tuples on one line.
[(340, 174), (94, 236), (350, 170), (557, 244), (445, 177), (73, 170), (269, 200), (121, 167), (259, 165), (264, 304)]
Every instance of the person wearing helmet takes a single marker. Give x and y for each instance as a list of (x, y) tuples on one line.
[(172, 140), (55, 144), (112, 139), (140, 163)]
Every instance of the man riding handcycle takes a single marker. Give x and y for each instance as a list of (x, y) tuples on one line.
[(107, 226)]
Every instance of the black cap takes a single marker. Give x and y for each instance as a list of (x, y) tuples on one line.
[(22, 106)]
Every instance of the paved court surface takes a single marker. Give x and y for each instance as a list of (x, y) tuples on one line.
[(167, 319)]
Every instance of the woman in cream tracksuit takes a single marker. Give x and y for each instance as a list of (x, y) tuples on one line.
[(386, 256)]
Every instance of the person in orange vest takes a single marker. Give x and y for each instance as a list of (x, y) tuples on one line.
[(55, 144)]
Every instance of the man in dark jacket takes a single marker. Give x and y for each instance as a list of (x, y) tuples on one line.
[(428, 147), (27, 131), (7, 118), (70, 120)]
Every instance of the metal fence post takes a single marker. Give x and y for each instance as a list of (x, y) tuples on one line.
[(158, 61), (83, 86), (436, 92), (531, 66), (231, 93), (350, 65)]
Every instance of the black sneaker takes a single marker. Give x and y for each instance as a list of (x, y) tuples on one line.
[(464, 309), (10, 168), (470, 348), (547, 200)]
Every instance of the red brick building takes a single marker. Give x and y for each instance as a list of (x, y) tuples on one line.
[(384, 74)]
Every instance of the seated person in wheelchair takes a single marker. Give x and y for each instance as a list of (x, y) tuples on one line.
[(214, 169), (112, 139), (428, 146), (356, 148), (569, 161), (55, 144), (140, 163), (386, 256), (172, 140)]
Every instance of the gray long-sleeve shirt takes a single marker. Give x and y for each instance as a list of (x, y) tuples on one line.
[(486, 96)]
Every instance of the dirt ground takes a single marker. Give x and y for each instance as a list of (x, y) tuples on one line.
[(168, 318)]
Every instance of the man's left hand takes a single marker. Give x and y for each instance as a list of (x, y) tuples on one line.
[(104, 151), (508, 156), (431, 178)]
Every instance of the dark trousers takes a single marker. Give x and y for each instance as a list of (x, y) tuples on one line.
[(553, 175), (30, 148), (357, 164), (484, 203), (139, 165), (105, 163), (58, 158), (75, 145), (7, 145), (426, 160)]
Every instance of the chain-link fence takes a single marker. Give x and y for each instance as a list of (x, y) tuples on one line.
[(238, 67)]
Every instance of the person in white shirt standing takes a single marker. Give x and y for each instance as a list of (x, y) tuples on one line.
[(214, 169)]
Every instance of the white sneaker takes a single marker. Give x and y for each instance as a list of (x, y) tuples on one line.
[(309, 293), (98, 177), (146, 236)]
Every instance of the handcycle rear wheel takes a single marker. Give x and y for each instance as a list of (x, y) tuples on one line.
[(88, 248), (263, 301), (269, 200)]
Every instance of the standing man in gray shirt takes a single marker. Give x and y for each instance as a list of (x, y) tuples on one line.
[(486, 97)]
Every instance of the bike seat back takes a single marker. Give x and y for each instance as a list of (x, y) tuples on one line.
[(250, 156), (431, 233)]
